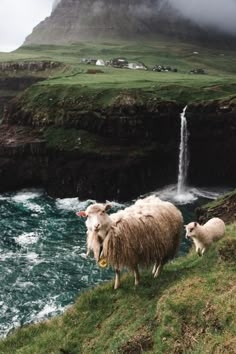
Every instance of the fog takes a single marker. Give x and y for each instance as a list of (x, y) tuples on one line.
[(220, 14), (17, 19)]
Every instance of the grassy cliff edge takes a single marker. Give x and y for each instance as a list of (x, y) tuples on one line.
[(190, 308)]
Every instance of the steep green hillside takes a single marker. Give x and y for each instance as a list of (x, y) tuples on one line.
[(190, 308), (89, 80)]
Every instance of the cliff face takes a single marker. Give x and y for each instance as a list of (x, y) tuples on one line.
[(212, 143), (99, 155), (9, 86), (114, 152), (76, 20)]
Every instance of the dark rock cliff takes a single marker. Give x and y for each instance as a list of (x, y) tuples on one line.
[(10, 86), (16, 76), (117, 152), (212, 143), (136, 150)]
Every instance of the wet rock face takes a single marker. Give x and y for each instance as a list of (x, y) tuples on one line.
[(212, 144), (140, 154), (120, 122), (108, 177), (121, 172)]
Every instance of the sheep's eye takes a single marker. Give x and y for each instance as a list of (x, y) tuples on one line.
[(190, 230)]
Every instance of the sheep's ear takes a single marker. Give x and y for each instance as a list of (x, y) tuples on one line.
[(81, 213), (195, 224), (185, 226), (107, 207)]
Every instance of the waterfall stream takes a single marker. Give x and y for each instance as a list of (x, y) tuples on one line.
[(183, 155)]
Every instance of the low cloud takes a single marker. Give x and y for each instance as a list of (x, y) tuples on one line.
[(17, 19), (220, 14)]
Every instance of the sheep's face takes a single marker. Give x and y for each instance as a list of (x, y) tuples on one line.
[(191, 229), (97, 219)]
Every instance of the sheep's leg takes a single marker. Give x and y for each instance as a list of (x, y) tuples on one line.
[(199, 252), (158, 270), (154, 269), (117, 279), (136, 276)]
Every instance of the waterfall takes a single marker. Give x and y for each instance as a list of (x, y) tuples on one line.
[(183, 155)]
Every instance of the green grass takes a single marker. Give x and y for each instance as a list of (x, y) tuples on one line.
[(221, 200), (183, 87), (159, 51), (71, 139), (190, 308)]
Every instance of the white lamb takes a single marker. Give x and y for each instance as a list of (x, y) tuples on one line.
[(204, 235)]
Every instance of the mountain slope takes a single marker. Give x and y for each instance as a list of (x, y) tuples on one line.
[(78, 20)]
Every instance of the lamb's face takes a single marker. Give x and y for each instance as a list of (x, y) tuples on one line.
[(97, 219), (191, 230)]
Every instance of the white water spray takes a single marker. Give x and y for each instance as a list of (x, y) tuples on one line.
[(183, 155)]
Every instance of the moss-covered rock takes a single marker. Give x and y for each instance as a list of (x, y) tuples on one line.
[(223, 207)]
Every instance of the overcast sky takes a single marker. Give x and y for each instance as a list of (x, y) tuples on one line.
[(17, 19)]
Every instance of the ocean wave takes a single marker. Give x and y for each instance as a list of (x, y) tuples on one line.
[(26, 194), (50, 308), (72, 204), (27, 238)]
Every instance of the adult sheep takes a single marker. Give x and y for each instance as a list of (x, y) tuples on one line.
[(204, 235), (145, 233)]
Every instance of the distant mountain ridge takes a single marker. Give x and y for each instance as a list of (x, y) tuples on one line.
[(73, 21)]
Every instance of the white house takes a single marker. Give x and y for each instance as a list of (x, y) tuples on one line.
[(100, 62), (136, 66)]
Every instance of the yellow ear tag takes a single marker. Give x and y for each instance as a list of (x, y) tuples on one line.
[(102, 262)]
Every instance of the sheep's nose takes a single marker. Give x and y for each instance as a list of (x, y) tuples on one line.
[(97, 227)]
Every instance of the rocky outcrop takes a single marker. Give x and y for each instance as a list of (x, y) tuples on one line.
[(30, 66), (76, 20), (224, 208), (17, 84), (10, 86), (212, 143)]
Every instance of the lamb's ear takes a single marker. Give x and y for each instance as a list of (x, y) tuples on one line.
[(82, 213), (185, 226), (195, 224), (107, 207)]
